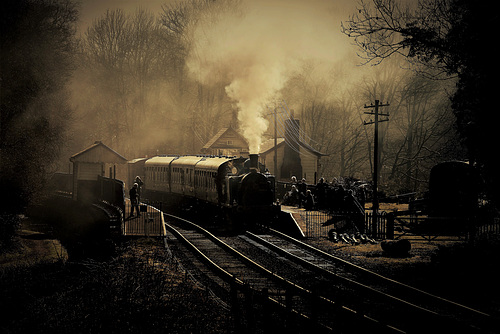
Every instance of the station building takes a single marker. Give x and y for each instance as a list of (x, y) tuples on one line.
[(293, 156)]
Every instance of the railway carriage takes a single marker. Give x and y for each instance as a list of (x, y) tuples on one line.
[(157, 176), (229, 187)]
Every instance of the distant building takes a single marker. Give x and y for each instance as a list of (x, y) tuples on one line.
[(95, 161), (226, 142), (294, 156)]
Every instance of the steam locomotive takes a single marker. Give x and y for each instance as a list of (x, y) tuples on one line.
[(228, 188)]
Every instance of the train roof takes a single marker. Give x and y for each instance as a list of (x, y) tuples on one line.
[(201, 162), (136, 160), (188, 160), (160, 160), (213, 162)]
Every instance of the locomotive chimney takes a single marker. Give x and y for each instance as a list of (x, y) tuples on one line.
[(254, 161)]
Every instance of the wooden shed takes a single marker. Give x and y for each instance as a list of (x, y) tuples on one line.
[(94, 161)]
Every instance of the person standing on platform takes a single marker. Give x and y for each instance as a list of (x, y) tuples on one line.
[(308, 201), (302, 188), (134, 200), (139, 182)]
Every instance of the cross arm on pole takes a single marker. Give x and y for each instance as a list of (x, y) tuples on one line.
[(379, 113)]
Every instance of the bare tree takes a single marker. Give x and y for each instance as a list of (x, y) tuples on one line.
[(383, 84), (422, 127), (328, 115), (350, 147), (127, 62), (204, 105), (449, 38), (416, 31)]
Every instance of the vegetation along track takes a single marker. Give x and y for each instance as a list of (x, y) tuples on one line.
[(314, 288)]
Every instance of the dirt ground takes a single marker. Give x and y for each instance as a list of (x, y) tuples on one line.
[(371, 256)]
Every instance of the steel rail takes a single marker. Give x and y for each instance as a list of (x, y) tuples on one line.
[(487, 321), (376, 275), (275, 277)]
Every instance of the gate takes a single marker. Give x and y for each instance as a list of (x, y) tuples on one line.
[(149, 224), (383, 228)]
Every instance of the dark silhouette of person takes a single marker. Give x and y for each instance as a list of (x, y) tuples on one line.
[(134, 200)]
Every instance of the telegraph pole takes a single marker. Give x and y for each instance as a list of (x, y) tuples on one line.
[(275, 145), (376, 113)]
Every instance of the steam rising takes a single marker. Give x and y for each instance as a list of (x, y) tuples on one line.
[(255, 48)]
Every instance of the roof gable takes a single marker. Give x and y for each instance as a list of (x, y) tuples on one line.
[(97, 153), (221, 138), (268, 145)]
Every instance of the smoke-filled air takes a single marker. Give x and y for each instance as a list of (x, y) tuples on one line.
[(256, 46), (167, 80), (165, 77)]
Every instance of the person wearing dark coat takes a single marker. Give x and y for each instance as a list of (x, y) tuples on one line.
[(139, 182), (302, 188), (293, 196), (134, 199), (309, 201), (321, 193)]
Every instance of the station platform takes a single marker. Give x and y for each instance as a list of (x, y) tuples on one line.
[(150, 223), (297, 217)]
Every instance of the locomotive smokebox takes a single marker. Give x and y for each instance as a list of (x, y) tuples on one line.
[(254, 162)]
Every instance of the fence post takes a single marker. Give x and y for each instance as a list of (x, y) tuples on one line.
[(390, 226)]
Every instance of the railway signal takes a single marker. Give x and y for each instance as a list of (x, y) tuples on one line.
[(376, 121)]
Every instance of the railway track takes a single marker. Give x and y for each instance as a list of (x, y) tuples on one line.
[(395, 303), (281, 282)]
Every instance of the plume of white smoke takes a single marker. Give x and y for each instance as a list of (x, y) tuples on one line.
[(256, 46)]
